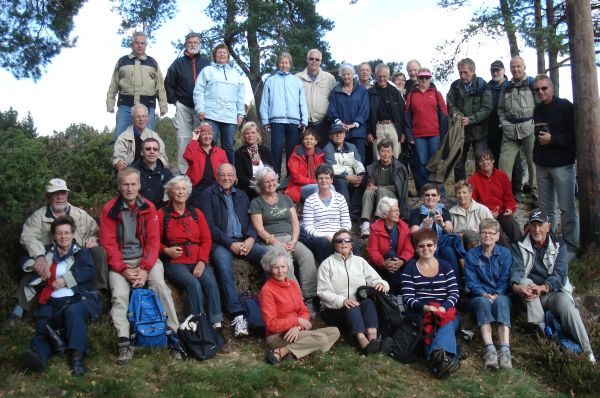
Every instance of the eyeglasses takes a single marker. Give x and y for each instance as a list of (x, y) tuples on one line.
[(343, 240), (314, 59), (425, 245), (151, 149), (538, 89), (430, 195), (487, 233)]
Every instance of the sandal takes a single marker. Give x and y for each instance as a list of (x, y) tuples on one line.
[(274, 357)]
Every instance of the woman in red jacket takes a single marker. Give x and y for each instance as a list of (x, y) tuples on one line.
[(301, 166), (389, 246), (287, 326), (185, 243)]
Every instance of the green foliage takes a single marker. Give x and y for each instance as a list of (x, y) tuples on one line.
[(143, 15), (32, 32), (168, 133)]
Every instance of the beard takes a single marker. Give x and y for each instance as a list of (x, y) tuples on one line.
[(498, 78), (192, 51)]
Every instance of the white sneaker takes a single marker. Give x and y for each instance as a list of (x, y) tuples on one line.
[(592, 358), (240, 326), (365, 229)]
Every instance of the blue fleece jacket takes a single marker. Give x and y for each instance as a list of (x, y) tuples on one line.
[(283, 100), (220, 93)]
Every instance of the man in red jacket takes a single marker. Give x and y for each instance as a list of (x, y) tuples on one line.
[(492, 188), (129, 233)]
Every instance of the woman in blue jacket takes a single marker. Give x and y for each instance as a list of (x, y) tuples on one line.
[(349, 107), (283, 109), (219, 98)]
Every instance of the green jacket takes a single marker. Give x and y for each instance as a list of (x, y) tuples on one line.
[(477, 105)]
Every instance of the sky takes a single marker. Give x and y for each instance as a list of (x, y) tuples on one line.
[(73, 89)]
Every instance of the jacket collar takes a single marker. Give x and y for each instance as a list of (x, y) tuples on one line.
[(119, 203)]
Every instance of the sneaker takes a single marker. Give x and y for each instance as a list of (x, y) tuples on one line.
[(240, 327), (125, 353), (218, 326), (365, 229), (504, 359), (490, 358), (177, 351), (592, 358)]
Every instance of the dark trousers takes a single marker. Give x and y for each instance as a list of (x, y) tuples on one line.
[(352, 194), (460, 172), (283, 133), (510, 227), (356, 319), (322, 129), (322, 248)]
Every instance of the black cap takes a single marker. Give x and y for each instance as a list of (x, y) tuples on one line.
[(336, 128), (497, 65), (538, 215)]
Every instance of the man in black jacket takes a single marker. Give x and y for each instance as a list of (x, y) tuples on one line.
[(554, 158), (179, 84), (387, 112), (153, 173)]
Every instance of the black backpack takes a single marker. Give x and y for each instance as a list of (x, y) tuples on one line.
[(390, 317), (202, 343), (407, 340)]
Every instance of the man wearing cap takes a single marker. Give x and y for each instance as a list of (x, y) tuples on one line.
[(386, 118), (129, 144), (203, 160), (138, 80), (347, 168), (317, 87), (153, 173), (471, 97), (179, 84), (515, 111), (36, 235), (540, 278), (554, 157)]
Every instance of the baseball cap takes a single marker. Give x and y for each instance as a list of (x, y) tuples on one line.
[(497, 65), (538, 215), (56, 184), (336, 128)]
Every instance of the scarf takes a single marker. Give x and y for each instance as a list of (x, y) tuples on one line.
[(46, 292), (253, 153), (425, 211), (310, 163), (435, 320)]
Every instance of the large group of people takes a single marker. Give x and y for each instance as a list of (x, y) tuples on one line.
[(222, 204)]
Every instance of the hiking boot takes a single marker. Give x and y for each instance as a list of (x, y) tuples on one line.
[(32, 361), (365, 229), (504, 359), (490, 358), (240, 327), (447, 367), (12, 321), (437, 357), (77, 366), (125, 353)]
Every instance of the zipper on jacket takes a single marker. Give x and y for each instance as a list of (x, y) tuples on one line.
[(224, 73), (347, 278)]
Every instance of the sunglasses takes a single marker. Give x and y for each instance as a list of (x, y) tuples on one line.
[(343, 240), (315, 59), (151, 149), (430, 195), (425, 245), (423, 78), (538, 89)]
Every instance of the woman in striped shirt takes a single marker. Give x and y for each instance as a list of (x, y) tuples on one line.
[(429, 288)]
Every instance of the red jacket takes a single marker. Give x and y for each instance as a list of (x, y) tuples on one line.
[(281, 305), (379, 243), (494, 192), (193, 236), (195, 156), (111, 232), (423, 109), (298, 169)]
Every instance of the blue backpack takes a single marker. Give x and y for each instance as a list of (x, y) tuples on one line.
[(253, 314), (148, 319)]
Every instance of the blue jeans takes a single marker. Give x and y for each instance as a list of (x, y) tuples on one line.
[(425, 148), (227, 133), (309, 189), (322, 248), (281, 132), (356, 319), (361, 146), (124, 120), (445, 338), (182, 276), (487, 312), (352, 194), (222, 260), (559, 182)]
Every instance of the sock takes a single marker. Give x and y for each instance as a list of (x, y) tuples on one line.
[(490, 347), (504, 347), (123, 340)]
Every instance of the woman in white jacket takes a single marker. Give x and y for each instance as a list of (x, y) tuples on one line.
[(339, 277), (219, 98)]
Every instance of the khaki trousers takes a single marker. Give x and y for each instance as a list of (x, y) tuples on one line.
[(308, 341), (120, 288), (386, 131), (371, 198), (307, 269)]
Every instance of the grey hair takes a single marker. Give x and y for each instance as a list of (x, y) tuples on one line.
[(412, 61), (345, 66), (468, 62), (489, 223), (171, 183), (222, 165), (260, 175), (518, 58), (382, 66), (138, 34), (384, 206), (287, 55), (141, 106), (273, 254), (313, 50), (191, 35)]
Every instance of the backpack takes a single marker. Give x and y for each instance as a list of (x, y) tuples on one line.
[(148, 319), (198, 337), (442, 118), (253, 314), (407, 340), (390, 317), (554, 332)]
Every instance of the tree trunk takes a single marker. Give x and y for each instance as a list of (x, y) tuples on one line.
[(552, 46), (510, 28), (540, 47), (587, 117)]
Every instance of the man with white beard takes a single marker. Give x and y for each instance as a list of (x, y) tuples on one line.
[(179, 84)]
